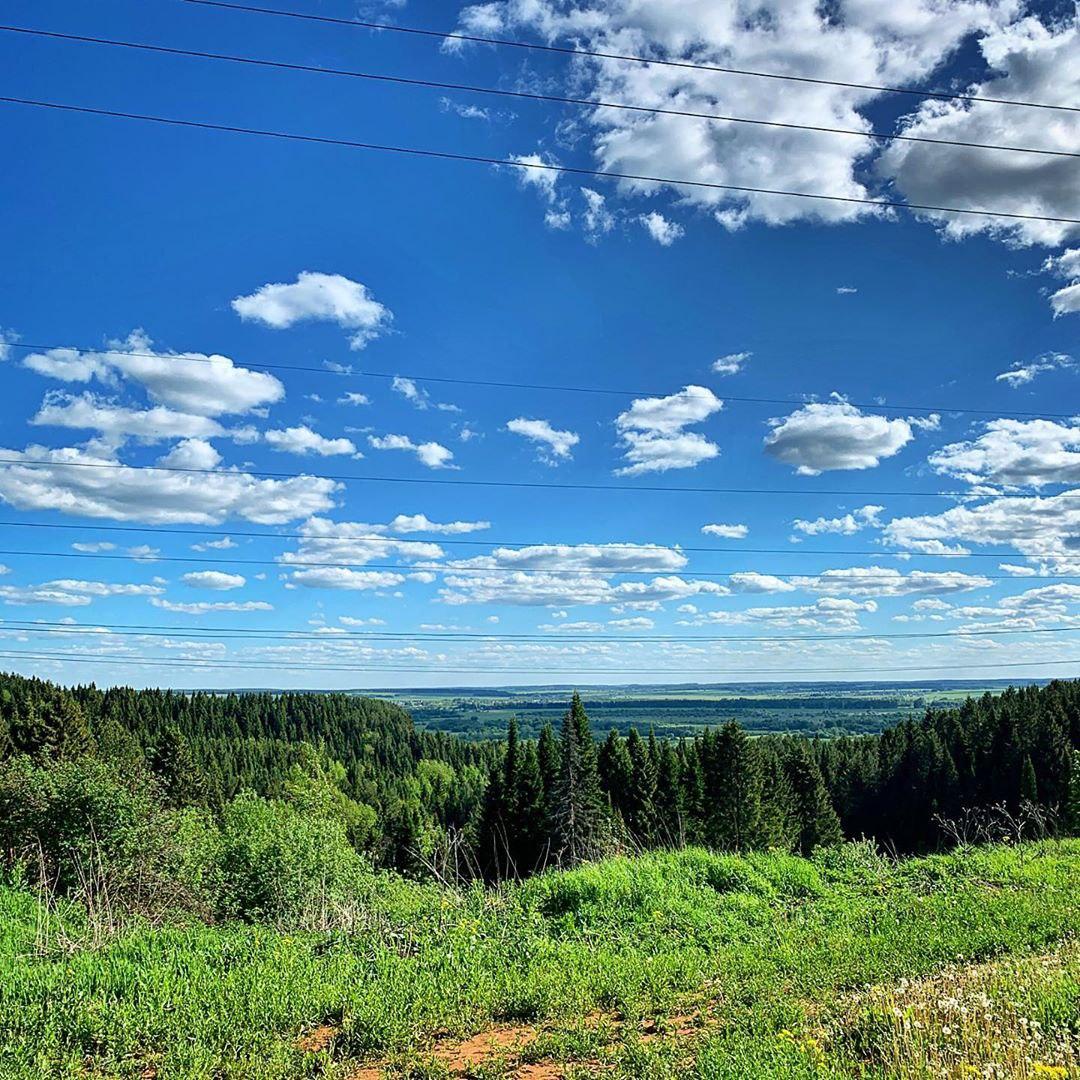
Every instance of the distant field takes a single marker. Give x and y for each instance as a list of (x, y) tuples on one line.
[(804, 709)]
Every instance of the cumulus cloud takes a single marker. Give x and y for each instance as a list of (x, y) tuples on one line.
[(606, 558), (66, 484), (554, 444), (432, 454), (208, 607), (823, 436), (1027, 61), (341, 577), (828, 614), (205, 385), (214, 579), (1015, 453), (1020, 374), (302, 440), (731, 364), (653, 435), (1043, 529), (353, 398), (871, 43), (661, 229), (116, 423), (1065, 301), (70, 592), (349, 543), (314, 296), (410, 523), (418, 396), (726, 532), (864, 517)]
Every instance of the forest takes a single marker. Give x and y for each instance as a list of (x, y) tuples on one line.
[(292, 886), (426, 803)]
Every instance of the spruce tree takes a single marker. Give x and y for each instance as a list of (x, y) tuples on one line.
[(731, 771), (818, 823), (642, 802), (579, 812)]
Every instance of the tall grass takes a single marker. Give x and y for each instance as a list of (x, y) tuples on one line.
[(757, 946)]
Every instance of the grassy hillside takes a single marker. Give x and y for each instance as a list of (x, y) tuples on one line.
[(682, 963)]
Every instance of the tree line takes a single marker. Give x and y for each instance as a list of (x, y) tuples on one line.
[(411, 799)]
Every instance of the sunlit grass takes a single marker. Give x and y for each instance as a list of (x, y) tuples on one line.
[(770, 954)]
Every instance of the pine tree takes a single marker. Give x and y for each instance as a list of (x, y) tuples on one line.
[(818, 823), (642, 802), (616, 773), (1071, 809), (670, 826), (732, 777), (579, 813), (529, 826)]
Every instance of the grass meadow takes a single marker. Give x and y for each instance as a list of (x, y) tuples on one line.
[(670, 964)]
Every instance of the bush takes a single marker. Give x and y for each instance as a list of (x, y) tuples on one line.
[(279, 865)]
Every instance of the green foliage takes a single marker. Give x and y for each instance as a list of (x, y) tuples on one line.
[(767, 944)]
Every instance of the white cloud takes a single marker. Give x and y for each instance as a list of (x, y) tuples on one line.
[(349, 620), (129, 493), (750, 581), (1027, 61), (207, 607), (410, 523), (869, 43), (1042, 528), (302, 440), (540, 589), (864, 517), (116, 423), (224, 544), (887, 581), (1020, 374), (206, 385), (341, 577), (214, 579), (69, 592), (1014, 453), (353, 398), (1065, 301), (726, 532), (835, 435), (846, 290), (351, 543), (555, 443), (315, 296), (653, 436), (91, 549), (605, 558), (731, 364), (663, 231), (828, 614), (432, 454), (597, 218)]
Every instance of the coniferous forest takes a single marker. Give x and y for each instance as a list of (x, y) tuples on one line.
[(424, 802)]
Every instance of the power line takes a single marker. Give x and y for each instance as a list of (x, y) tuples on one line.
[(713, 676), (526, 484), (446, 542), (427, 566), (501, 385), (480, 159), (236, 633), (596, 54), (432, 84)]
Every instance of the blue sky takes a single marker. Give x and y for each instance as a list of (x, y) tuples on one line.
[(130, 243)]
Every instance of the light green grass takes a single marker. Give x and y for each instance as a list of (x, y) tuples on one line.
[(762, 945)]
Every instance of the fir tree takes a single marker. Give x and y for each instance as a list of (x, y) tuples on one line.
[(732, 778), (818, 823), (579, 813)]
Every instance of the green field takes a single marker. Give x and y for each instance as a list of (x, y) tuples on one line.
[(671, 964), (684, 710)]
